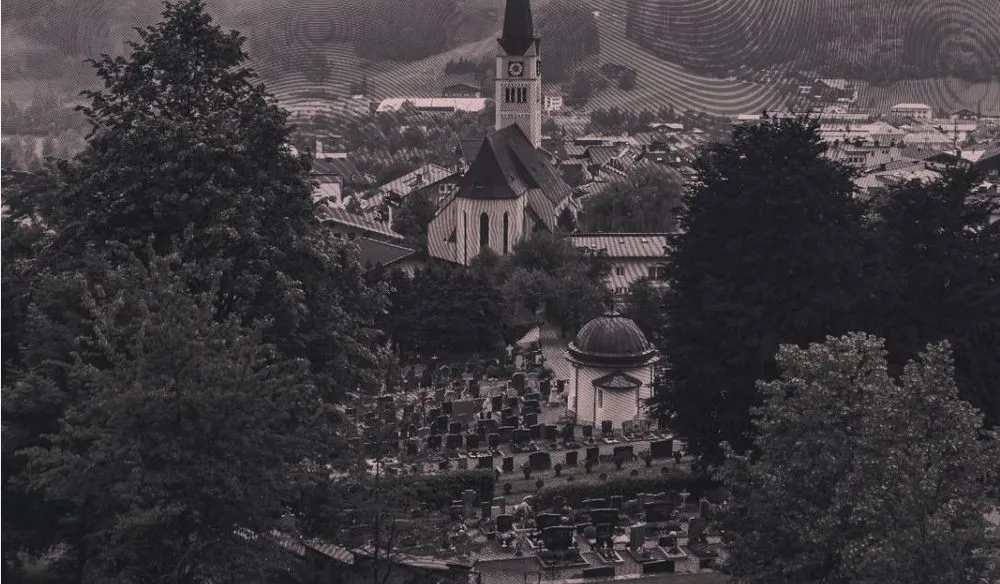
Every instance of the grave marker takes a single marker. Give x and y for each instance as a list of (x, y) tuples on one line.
[(535, 432), (588, 431), (593, 454), (530, 420), (572, 457), (549, 432), (607, 427), (434, 441), (522, 436), (484, 462), (455, 428), (471, 442), (662, 448), (637, 536), (696, 527), (447, 408), (557, 537), (657, 512), (544, 520), (496, 404), (540, 461), (624, 453), (453, 441), (508, 464), (505, 523)]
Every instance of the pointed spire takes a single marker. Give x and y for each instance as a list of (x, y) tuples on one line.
[(518, 31)]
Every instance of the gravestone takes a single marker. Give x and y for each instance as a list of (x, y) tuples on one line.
[(439, 395), (549, 432), (545, 388), (569, 433), (411, 448), (453, 441), (530, 420), (512, 421), (531, 407), (557, 537), (507, 413), (442, 423), (484, 462), (447, 408), (628, 427), (607, 427), (559, 503), (506, 434), (486, 509), (505, 523), (517, 381), (588, 431), (468, 501), (463, 463), (637, 536), (522, 436), (471, 442), (658, 567), (535, 396), (705, 509), (617, 501), (508, 464), (560, 385), (433, 413), (593, 454), (662, 448), (696, 527), (624, 453), (501, 503), (571, 457), (494, 441), (514, 403), (434, 441), (455, 428), (473, 388), (674, 498), (540, 461), (489, 425), (544, 520), (496, 404), (604, 515), (605, 531), (535, 432), (657, 512), (455, 511)]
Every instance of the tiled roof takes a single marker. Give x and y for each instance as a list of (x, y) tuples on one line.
[(419, 178), (507, 166), (573, 174), (342, 167), (601, 154), (374, 252), (331, 551), (342, 216), (624, 245), (468, 104), (470, 147)]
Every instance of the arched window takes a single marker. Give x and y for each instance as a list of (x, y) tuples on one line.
[(484, 231), (506, 233)]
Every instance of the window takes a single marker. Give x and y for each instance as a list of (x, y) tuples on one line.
[(600, 398), (506, 232), (619, 271), (515, 94), (336, 234), (484, 231)]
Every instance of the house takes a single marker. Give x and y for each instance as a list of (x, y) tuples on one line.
[(434, 181), (336, 176), (433, 104), (511, 187), (988, 164), (462, 89), (631, 256), (552, 103), (613, 370), (917, 111), (377, 244)]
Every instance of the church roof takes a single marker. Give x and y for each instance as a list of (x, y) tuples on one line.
[(518, 30), (507, 166), (611, 339)]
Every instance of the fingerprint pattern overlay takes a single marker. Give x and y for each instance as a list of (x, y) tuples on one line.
[(722, 57)]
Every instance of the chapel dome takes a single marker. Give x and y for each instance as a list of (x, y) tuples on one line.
[(611, 339)]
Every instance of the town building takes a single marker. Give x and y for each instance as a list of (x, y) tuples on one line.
[(511, 187), (378, 245), (433, 104), (433, 181), (552, 103), (917, 111), (462, 89), (613, 371), (630, 257)]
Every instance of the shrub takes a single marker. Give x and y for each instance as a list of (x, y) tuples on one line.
[(603, 476), (438, 491), (634, 472), (539, 484), (627, 487), (507, 488), (558, 468)]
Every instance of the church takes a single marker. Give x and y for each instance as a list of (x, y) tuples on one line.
[(511, 189)]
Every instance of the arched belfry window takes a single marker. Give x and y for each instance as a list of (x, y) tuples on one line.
[(484, 231), (506, 233)]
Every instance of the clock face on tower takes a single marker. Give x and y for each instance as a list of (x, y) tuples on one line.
[(515, 69)]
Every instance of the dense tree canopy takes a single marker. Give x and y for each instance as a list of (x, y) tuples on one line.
[(412, 217), (863, 478), (187, 162), (647, 201), (768, 252)]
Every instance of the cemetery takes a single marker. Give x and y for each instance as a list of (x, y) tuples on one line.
[(566, 501)]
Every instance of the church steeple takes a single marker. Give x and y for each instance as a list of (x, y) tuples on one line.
[(518, 30)]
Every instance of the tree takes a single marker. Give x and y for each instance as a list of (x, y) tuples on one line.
[(566, 221), (189, 162), (187, 430), (581, 88), (412, 218), (627, 81), (644, 305), (771, 249), (647, 201), (860, 477), (943, 280)]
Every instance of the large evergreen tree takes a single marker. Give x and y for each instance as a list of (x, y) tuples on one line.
[(859, 477), (188, 159), (768, 252), (647, 201)]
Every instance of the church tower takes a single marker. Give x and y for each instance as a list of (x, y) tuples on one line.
[(518, 95)]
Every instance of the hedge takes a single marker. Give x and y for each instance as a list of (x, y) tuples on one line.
[(628, 487), (438, 491)]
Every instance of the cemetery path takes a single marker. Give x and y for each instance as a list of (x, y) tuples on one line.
[(553, 347)]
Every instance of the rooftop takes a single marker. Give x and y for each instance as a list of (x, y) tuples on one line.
[(624, 245), (340, 216)]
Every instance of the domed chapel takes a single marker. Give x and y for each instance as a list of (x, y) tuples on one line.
[(613, 370)]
